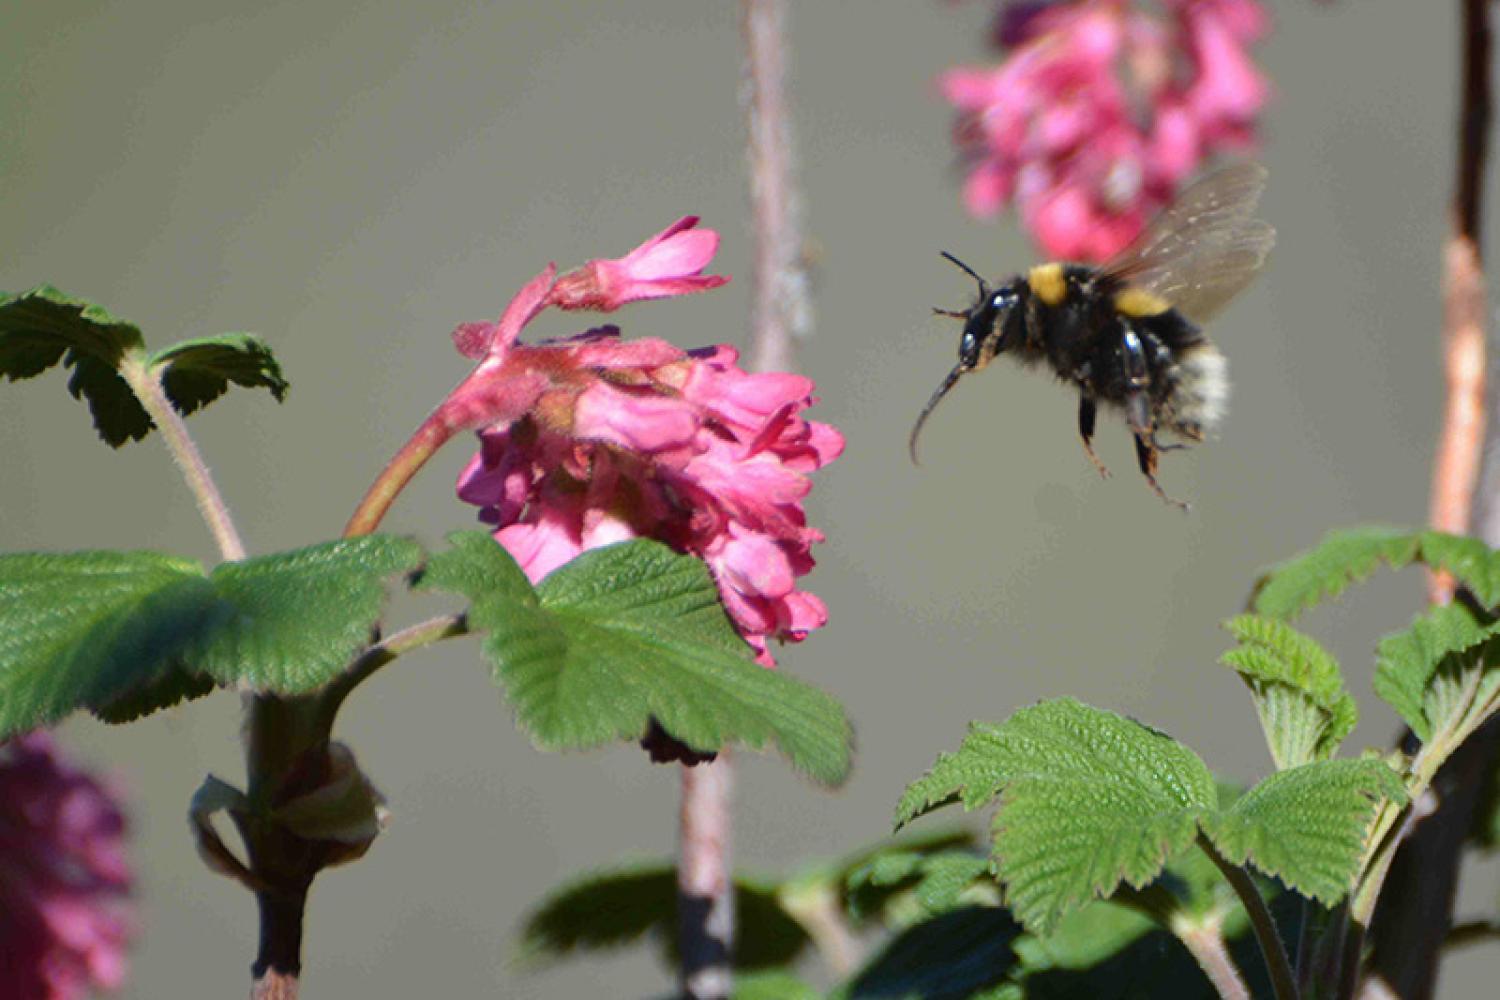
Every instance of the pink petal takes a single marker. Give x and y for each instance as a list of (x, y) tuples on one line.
[(641, 422)]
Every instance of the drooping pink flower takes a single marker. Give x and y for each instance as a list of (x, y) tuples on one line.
[(591, 439), (1102, 109), (64, 877), (669, 263)]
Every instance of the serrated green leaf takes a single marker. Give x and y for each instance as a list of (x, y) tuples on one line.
[(630, 633), (1088, 800), (972, 776), (936, 881), (126, 633), (1474, 563), (300, 616), (92, 629), (949, 957), (196, 372), (616, 907), (1407, 661), (1307, 826), (1298, 691), (1342, 558), (41, 327)]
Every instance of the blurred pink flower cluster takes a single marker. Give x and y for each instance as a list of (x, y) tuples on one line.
[(64, 877), (592, 439), (1101, 110)]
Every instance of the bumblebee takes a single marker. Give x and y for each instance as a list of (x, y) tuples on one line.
[(1129, 333)]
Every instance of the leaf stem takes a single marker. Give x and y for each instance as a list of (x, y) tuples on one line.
[(1283, 982), (146, 385), (373, 658), (1205, 942)]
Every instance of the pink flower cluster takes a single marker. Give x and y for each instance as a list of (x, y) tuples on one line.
[(592, 439), (1102, 110), (63, 877)]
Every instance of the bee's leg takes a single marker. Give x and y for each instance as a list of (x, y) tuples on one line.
[(1138, 414), (1086, 413)]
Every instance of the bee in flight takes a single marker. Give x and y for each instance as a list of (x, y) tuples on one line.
[(1129, 333)]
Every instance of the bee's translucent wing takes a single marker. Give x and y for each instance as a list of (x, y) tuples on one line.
[(1204, 248)]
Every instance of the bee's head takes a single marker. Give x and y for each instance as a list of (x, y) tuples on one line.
[(987, 324)]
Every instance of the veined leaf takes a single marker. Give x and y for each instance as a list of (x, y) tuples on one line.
[(300, 616), (1297, 688), (953, 956), (126, 633), (1475, 564), (937, 881), (772, 986), (82, 630), (194, 373), (629, 633), (1342, 558), (41, 327), (1407, 662), (1306, 826), (1088, 800)]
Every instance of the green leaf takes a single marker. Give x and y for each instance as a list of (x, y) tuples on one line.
[(772, 986), (625, 634), (937, 881), (1307, 826), (196, 372), (1407, 662), (616, 907), (41, 327), (1088, 800), (1475, 564), (126, 633), (1342, 558), (93, 629), (1297, 688), (300, 616), (949, 957)]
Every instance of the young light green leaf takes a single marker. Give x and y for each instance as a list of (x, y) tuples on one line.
[(1406, 662), (1088, 800), (1307, 826), (937, 881), (196, 372), (93, 629), (1342, 558), (1298, 691), (41, 327), (299, 616), (630, 633), (1475, 564)]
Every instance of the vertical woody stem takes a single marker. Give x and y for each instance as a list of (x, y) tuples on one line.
[(779, 310)]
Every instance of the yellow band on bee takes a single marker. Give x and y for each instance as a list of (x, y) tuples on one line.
[(1048, 284), (1138, 302)]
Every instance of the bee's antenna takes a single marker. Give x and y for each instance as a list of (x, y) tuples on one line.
[(955, 313), (983, 285)]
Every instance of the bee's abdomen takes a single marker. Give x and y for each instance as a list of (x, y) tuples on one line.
[(1199, 394)]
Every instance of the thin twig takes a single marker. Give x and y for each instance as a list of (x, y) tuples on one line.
[(1277, 963), (705, 891), (780, 306), (147, 387)]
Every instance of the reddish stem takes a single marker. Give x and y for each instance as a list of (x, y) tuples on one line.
[(705, 889)]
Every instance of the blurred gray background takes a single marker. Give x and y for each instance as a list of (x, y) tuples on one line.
[(351, 181)]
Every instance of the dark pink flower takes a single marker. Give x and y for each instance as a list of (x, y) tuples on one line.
[(64, 877), (1102, 109), (669, 263), (591, 440)]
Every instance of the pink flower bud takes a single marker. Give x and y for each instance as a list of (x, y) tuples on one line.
[(669, 263)]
